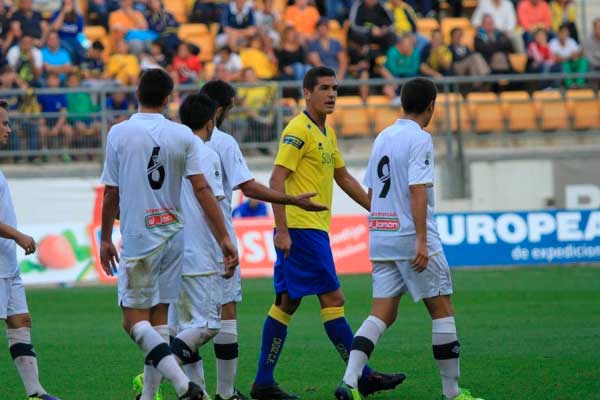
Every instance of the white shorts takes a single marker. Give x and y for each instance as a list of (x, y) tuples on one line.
[(154, 279), (394, 278), (199, 304), (12, 297), (232, 288)]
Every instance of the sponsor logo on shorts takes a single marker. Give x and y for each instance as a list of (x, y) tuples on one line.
[(384, 224), (294, 141), (160, 219)]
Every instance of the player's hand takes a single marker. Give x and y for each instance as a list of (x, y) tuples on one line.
[(230, 257), (109, 258), (26, 243), (304, 202), (283, 242), (419, 263)]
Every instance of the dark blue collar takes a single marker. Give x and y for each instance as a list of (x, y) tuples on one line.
[(323, 131)]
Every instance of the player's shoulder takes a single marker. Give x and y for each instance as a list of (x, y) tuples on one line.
[(220, 140), (300, 123)]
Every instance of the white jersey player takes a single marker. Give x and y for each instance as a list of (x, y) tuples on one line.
[(147, 158), (236, 175), (405, 246), (13, 302)]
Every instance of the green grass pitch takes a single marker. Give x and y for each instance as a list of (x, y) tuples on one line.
[(527, 334)]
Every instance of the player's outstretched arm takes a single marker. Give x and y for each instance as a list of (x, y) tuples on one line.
[(352, 188), (109, 257), (282, 239), (25, 242), (418, 206), (214, 217), (258, 191)]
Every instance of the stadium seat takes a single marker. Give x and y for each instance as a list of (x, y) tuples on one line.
[(469, 37), (280, 6), (518, 62), (351, 117), (178, 8), (485, 112), (583, 108), (336, 31), (426, 25), (382, 113), (519, 111), (447, 105), (186, 30), (450, 23), (551, 109)]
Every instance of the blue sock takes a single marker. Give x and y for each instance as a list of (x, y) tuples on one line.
[(273, 338), (340, 333)]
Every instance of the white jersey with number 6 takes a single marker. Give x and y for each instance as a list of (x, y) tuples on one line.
[(147, 157), (402, 156)]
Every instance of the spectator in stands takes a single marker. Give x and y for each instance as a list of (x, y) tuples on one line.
[(6, 36), (81, 111), (92, 68), (186, 67), (255, 57), (237, 24), (338, 10), (119, 106), (493, 45), (55, 58), (564, 12), (326, 51), (257, 103), (465, 61), (505, 20), (291, 56), (359, 66), (164, 24), (231, 62), (405, 20), (26, 60), (55, 130), (123, 66), (371, 23), (220, 74), (68, 22), (155, 58), (99, 10), (207, 11), (303, 17), (268, 21), (401, 61), (568, 53), (28, 22), (591, 46), (533, 15), (250, 208), (436, 58), (130, 24), (542, 59)]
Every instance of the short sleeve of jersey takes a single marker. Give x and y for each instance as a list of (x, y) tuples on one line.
[(367, 179), (292, 146), (110, 173), (234, 166), (420, 167), (194, 156), (214, 175)]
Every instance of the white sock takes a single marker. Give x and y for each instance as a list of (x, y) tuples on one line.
[(152, 377), (365, 339), (195, 372), (226, 348), (19, 342), (446, 351), (185, 348), (152, 344)]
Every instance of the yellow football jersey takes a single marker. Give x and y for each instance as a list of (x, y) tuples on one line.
[(312, 155)]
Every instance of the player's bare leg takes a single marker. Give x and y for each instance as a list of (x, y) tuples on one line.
[(226, 352), (273, 340)]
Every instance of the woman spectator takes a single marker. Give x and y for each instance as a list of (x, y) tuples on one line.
[(291, 57), (569, 54), (231, 63), (164, 24), (68, 22), (493, 45), (186, 66), (541, 58)]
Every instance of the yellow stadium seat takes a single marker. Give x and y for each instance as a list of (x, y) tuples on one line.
[(337, 32), (519, 111), (552, 110), (280, 6), (351, 117), (426, 25), (178, 8), (518, 62), (382, 113), (447, 105), (583, 108), (469, 37), (450, 23), (186, 30), (199, 35), (485, 112)]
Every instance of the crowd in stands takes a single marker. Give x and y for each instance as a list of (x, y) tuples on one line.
[(50, 44)]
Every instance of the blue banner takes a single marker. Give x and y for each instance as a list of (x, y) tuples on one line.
[(517, 238)]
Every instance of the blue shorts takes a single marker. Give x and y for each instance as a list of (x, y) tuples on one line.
[(309, 268)]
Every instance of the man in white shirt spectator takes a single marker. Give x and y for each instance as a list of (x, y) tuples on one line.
[(26, 60), (505, 20), (569, 54)]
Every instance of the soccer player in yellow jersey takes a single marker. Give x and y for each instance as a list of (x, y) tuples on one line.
[(309, 160)]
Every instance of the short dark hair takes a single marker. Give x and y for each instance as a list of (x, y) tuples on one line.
[(564, 25), (155, 86), (196, 110), (454, 30), (4, 104), (97, 45), (220, 91), (417, 94), (311, 78)]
